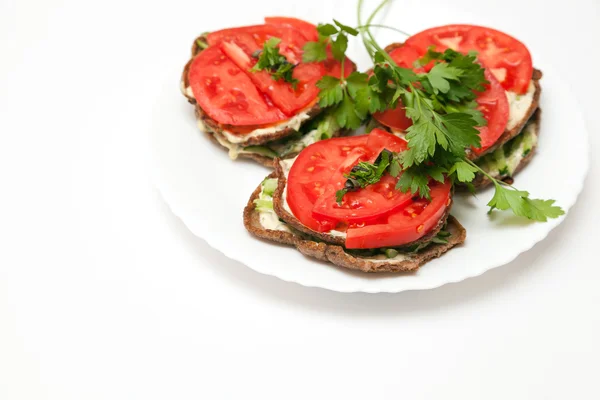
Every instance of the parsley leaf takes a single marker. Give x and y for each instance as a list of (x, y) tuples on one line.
[(346, 114), (331, 92), (271, 60), (314, 52), (346, 28), (521, 205), (364, 174), (339, 47), (440, 76), (327, 29), (465, 172), (414, 181)]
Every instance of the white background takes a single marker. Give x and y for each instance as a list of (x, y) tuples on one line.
[(105, 295)]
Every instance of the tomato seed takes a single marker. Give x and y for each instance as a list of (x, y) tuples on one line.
[(420, 228), (310, 169)]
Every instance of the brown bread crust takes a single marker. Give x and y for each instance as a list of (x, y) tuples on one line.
[(337, 255)]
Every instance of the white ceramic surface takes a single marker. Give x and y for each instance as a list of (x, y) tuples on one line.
[(208, 192)]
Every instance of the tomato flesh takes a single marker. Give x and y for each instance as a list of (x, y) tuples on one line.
[(313, 170), (308, 30), (281, 93), (405, 226), (227, 94), (492, 102), (320, 171), (508, 58), (252, 38), (274, 100)]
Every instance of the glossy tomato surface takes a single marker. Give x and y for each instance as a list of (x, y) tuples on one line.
[(505, 56), (405, 226), (308, 30), (227, 94), (280, 100), (492, 102), (321, 170)]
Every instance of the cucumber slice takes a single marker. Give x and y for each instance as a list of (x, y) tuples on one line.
[(500, 160), (391, 253), (261, 150), (263, 205), (269, 186), (529, 141)]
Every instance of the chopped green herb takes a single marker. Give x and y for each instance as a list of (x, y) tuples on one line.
[(271, 60)]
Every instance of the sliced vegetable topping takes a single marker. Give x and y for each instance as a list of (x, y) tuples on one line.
[(492, 102), (270, 56), (322, 169), (227, 94), (508, 59)]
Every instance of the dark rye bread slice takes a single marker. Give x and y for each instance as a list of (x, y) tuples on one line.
[(338, 255), (482, 181), (291, 220), (215, 126), (509, 133)]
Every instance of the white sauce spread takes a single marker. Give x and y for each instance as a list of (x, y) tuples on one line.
[(519, 105), (294, 123), (381, 258), (270, 220)]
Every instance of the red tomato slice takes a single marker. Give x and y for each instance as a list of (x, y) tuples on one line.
[(508, 58), (308, 30), (372, 202), (380, 139), (292, 41), (334, 67), (364, 206), (281, 93), (405, 56), (406, 225), (444, 37), (227, 94), (313, 170), (377, 216), (493, 103), (395, 118)]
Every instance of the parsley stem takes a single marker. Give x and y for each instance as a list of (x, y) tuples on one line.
[(364, 32), (491, 178), (363, 27)]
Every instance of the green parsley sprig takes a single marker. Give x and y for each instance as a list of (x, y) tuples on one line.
[(275, 63), (441, 104), (340, 95)]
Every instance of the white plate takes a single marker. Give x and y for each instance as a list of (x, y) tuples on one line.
[(209, 192)]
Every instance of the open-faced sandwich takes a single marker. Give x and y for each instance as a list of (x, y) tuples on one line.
[(337, 201), (452, 106), (508, 103), (254, 94)]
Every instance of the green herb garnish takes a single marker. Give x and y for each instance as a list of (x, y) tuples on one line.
[(440, 103), (275, 63)]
